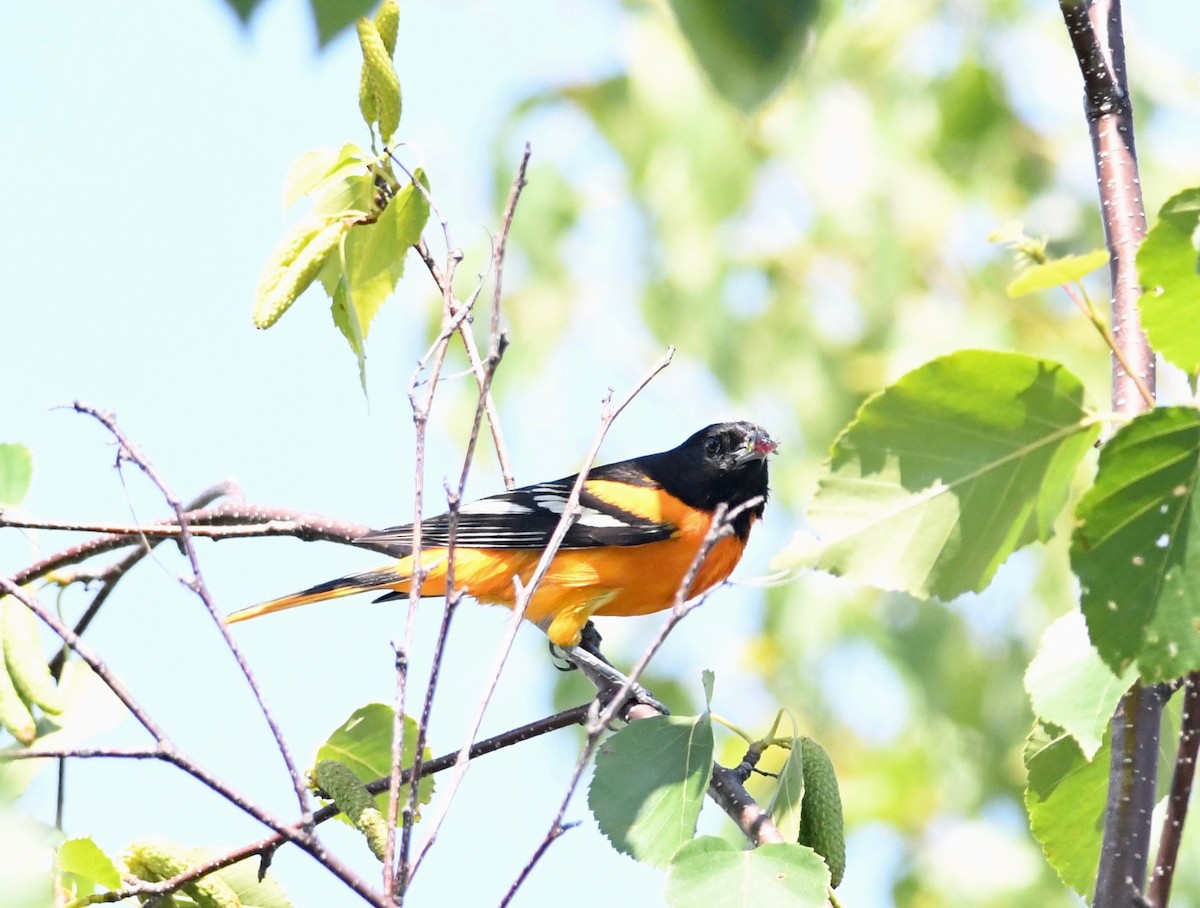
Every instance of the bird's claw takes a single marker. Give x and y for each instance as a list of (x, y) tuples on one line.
[(608, 680)]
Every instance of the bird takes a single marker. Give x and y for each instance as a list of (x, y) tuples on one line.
[(641, 524)]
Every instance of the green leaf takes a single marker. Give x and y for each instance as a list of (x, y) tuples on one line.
[(746, 49), (321, 165), (1169, 267), (16, 472), (711, 873), (1071, 687), (90, 709), (784, 805), (375, 253), (1065, 795), (1056, 272), (84, 867), (944, 474), (334, 16), (242, 878), (374, 264), (1133, 548), (1172, 645), (342, 309), (364, 743), (649, 785), (348, 190)]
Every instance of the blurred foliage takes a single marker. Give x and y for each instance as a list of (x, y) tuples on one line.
[(746, 49), (331, 17), (807, 252)]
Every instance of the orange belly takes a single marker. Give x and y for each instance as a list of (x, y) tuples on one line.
[(624, 580)]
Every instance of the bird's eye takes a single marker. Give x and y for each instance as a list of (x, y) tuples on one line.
[(712, 447)]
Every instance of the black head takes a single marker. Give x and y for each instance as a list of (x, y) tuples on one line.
[(723, 463)]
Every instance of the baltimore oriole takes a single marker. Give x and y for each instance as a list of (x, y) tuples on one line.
[(642, 524)]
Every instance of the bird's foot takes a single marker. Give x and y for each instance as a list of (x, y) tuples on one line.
[(608, 680)]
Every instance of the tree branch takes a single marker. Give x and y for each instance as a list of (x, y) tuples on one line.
[(296, 834), (197, 585), (1095, 30), (1181, 792)]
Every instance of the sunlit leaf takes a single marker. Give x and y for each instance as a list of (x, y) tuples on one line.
[(1169, 268), (1134, 546), (711, 873), (84, 866), (375, 253), (348, 191), (313, 168), (242, 878), (944, 474), (373, 264), (1056, 272), (1070, 686), (16, 472), (364, 743), (253, 892), (1065, 798), (649, 785), (91, 709)]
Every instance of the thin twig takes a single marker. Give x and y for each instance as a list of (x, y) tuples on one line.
[(197, 585), (97, 665), (165, 748), (473, 357), (296, 834), (454, 496), (395, 871), (1184, 774)]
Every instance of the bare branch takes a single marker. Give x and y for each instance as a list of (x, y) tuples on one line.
[(164, 749), (197, 585), (729, 793), (454, 496), (234, 520)]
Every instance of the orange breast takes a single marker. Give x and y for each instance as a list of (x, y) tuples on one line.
[(630, 580), (616, 580)]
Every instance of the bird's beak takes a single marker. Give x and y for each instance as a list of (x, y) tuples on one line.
[(758, 445)]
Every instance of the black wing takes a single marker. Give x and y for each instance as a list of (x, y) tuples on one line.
[(526, 518)]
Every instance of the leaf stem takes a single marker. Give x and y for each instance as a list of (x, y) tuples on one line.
[(1085, 304), (721, 720)]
